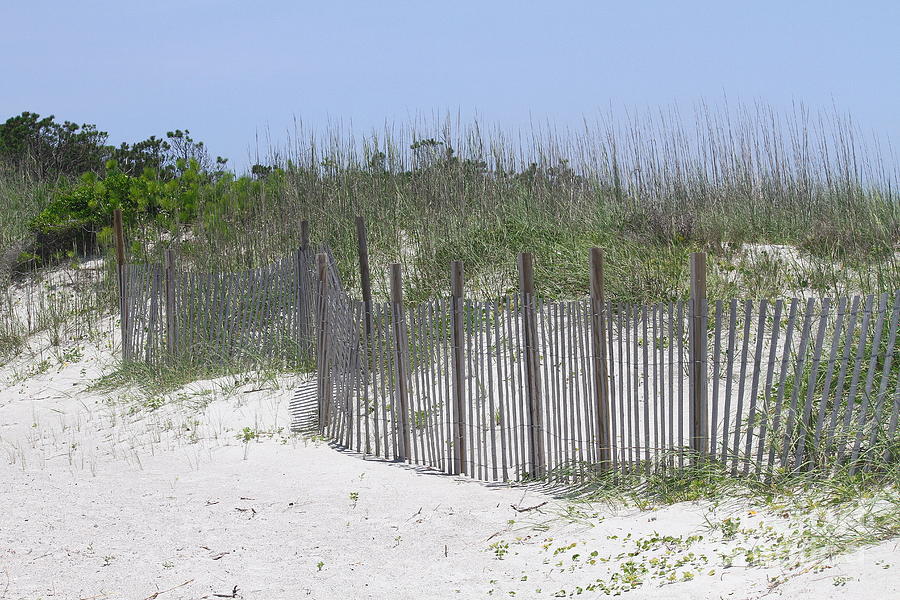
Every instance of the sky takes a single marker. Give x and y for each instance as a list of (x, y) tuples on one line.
[(237, 72)]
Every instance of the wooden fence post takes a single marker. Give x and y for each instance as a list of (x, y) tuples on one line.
[(532, 372), (457, 307), (401, 358), (304, 335), (698, 358), (365, 277), (120, 273), (322, 354), (170, 301), (304, 234), (600, 367)]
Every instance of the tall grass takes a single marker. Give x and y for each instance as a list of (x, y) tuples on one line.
[(650, 189), (21, 199)]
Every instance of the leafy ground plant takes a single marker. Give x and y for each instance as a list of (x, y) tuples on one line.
[(791, 525)]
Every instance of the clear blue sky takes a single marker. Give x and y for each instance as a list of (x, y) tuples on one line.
[(228, 70)]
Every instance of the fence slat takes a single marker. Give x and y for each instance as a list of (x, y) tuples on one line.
[(798, 374), (754, 387), (770, 373), (804, 425), (782, 378), (502, 406), (614, 421), (729, 376), (645, 343), (716, 377), (829, 371), (850, 405), (515, 389), (841, 379), (655, 380), (554, 399), (471, 391), (629, 379), (479, 395), (870, 376)]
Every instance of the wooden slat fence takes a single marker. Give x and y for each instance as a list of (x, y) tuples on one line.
[(792, 385), (235, 318), (508, 389)]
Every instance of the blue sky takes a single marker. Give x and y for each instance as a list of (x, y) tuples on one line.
[(230, 71)]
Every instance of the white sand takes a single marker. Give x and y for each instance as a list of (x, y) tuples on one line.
[(104, 499)]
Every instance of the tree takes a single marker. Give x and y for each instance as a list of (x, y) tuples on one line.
[(43, 148)]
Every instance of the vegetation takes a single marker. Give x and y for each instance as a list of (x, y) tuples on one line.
[(795, 522), (785, 204)]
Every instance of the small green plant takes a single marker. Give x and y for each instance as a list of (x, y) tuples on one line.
[(247, 435), (72, 354), (500, 549), (730, 527)]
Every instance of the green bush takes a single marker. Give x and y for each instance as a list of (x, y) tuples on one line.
[(81, 211)]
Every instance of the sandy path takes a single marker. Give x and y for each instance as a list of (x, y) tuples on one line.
[(148, 500)]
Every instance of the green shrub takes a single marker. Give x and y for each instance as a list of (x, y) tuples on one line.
[(83, 210)]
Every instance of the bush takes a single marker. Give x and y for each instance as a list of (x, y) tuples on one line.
[(83, 210)]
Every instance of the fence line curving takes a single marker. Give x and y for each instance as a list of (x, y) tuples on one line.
[(525, 387)]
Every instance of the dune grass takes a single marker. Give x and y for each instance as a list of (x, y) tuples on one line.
[(650, 191), (784, 203)]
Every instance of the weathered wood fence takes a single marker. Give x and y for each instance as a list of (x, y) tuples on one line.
[(237, 318), (525, 387)]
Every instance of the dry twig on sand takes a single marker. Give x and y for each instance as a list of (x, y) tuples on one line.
[(521, 510), (154, 595)]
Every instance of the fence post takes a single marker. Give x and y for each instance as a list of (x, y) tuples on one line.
[(532, 374), (401, 358), (120, 273), (304, 234), (365, 277), (600, 367), (698, 358), (324, 372), (303, 291), (457, 307), (170, 301)]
